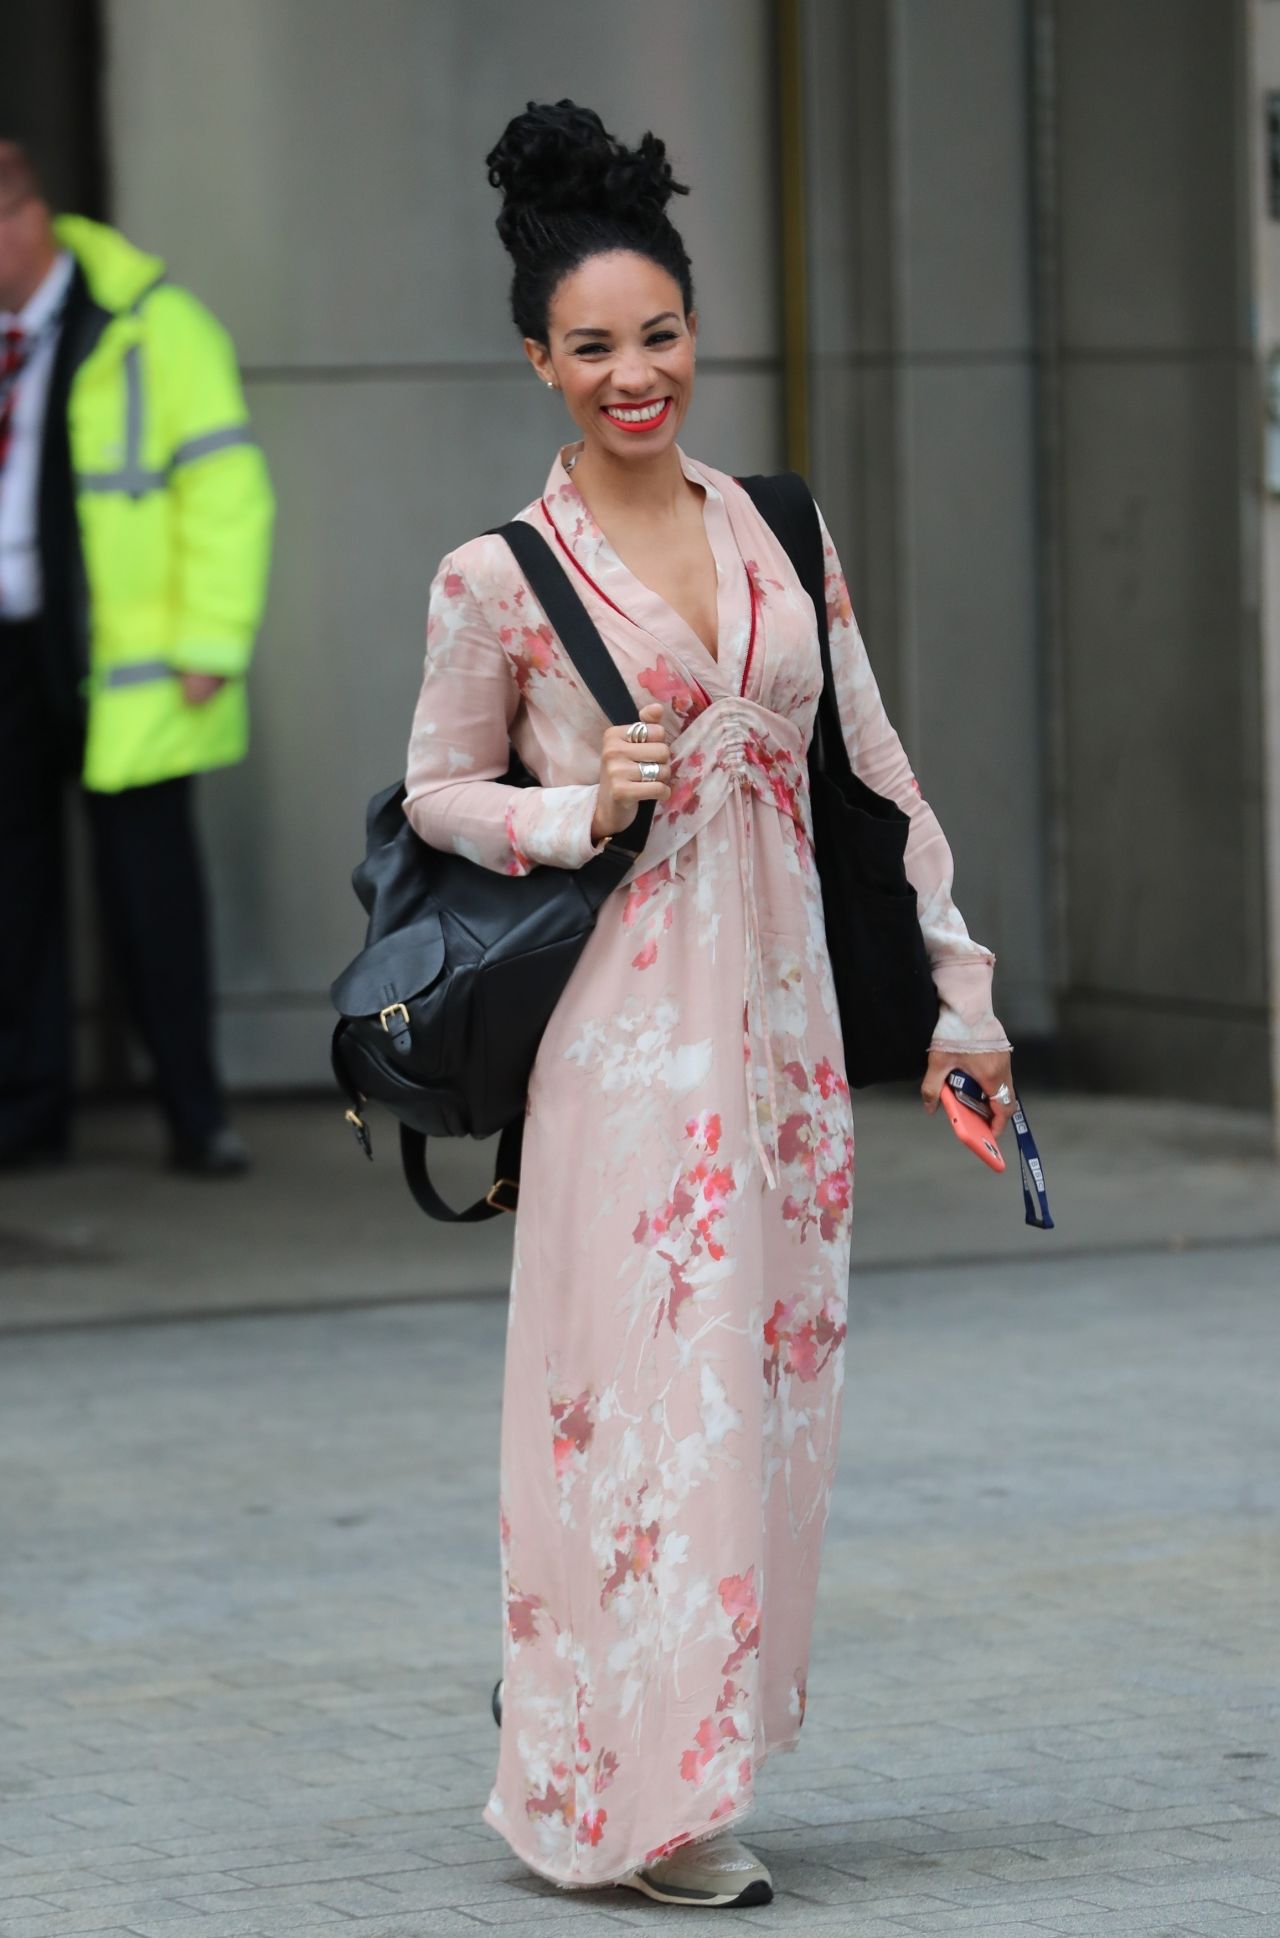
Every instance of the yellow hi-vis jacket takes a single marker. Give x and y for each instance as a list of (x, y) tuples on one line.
[(174, 508)]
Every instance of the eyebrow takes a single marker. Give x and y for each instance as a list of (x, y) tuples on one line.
[(662, 318)]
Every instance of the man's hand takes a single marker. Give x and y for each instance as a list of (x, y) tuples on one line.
[(197, 688)]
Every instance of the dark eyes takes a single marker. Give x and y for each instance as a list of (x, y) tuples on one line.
[(653, 342)]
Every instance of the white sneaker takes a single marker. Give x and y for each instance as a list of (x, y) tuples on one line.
[(721, 1871)]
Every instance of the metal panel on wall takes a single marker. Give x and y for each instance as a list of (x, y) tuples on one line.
[(924, 424), (1161, 788)]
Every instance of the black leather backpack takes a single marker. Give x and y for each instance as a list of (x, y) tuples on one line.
[(442, 1011)]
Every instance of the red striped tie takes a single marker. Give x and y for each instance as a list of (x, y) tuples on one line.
[(11, 361)]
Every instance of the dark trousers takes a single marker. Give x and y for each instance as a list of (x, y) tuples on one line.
[(150, 882)]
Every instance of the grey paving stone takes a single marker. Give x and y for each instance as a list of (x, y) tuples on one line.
[(1044, 1909), (33, 1879), (1153, 1892), (264, 1921), (253, 1674), (1257, 1895), (139, 1890), (449, 1924), (575, 1912), (1200, 1920), (18, 1929), (801, 1915), (1215, 1923), (1106, 1925), (61, 1924), (359, 1863)]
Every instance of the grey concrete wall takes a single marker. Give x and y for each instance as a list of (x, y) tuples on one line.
[(924, 423), (1165, 972), (314, 170)]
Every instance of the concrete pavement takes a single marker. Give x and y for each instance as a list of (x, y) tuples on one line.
[(249, 1593), (317, 1225)]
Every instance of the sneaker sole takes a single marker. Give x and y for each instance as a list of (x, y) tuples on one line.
[(759, 1891)]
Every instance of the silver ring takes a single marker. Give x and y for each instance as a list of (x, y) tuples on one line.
[(649, 770), (1002, 1096), (638, 732)]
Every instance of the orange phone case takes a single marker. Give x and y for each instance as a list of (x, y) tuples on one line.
[(971, 1129)]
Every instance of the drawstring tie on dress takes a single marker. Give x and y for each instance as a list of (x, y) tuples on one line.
[(733, 746), (753, 992)]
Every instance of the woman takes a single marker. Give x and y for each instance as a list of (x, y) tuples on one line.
[(674, 1360)]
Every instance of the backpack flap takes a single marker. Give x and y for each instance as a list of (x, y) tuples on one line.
[(383, 979)]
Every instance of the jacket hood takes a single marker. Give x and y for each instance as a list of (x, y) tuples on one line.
[(116, 270)]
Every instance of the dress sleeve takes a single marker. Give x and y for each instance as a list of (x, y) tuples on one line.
[(460, 748), (962, 968)]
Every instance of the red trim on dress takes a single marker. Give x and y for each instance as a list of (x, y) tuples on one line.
[(751, 643), (599, 592)]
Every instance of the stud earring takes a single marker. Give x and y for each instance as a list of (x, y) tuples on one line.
[(551, 384)]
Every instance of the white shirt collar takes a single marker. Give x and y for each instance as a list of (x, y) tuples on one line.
[(46, 300)]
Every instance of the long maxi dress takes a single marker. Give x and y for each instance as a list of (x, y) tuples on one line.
[(674, 1351)]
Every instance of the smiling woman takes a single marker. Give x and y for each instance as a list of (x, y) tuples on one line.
[(674, 1360)]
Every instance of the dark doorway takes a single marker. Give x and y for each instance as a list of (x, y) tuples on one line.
[(51, 96)]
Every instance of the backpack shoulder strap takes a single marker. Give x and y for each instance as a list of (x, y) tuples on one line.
[(571, 620), (577, 634), (787, 506), (501, 1196)]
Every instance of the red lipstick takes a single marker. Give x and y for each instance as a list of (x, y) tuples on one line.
[(645, 424)]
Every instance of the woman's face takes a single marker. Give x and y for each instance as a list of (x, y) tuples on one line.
[(621, 352)]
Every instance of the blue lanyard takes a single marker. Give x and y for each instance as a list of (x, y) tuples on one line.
[(1034, 1194)]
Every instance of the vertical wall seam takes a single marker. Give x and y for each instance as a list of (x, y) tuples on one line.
[(1259, 518), (901, 396), (794, 218), (1047, 379)]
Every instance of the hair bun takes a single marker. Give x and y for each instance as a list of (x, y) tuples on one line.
[(560, 160)]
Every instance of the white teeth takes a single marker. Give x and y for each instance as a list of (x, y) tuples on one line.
[(639, 416)]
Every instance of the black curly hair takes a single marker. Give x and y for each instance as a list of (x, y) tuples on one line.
[(570, 191)]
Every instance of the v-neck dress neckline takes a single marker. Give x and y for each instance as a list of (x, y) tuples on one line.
[(574, 526)]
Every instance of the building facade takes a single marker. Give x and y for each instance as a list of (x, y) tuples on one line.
[(995, 271)]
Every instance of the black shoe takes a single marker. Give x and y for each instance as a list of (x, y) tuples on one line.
[(222, 1154), (495, 1702)]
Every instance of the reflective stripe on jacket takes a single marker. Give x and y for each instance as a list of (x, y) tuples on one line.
[(175, 510)]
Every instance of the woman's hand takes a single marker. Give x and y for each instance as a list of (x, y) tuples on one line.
[(621, 788), (990, 1069)]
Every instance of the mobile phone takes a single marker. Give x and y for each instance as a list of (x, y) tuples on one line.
[(971, 1123)]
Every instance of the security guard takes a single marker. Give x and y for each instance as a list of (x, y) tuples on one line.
[(135, 525)]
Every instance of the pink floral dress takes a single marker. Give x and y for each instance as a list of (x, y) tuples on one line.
[(674, 1354)]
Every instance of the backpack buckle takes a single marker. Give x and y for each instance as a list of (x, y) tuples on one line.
[(493, 1195), (398, 1030)]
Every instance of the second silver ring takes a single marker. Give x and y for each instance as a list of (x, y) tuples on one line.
[(638, 732), (649, 770)]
